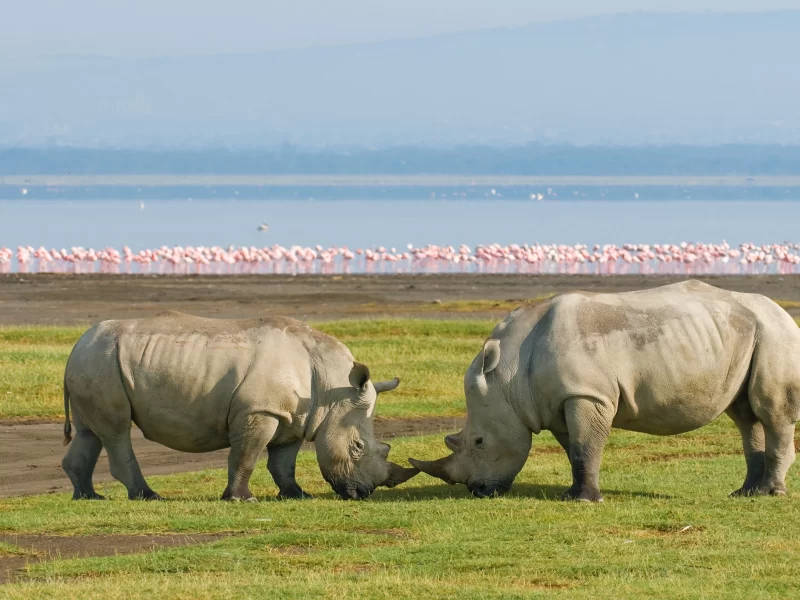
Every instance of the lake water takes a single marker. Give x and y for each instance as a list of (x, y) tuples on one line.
[(361, 223)]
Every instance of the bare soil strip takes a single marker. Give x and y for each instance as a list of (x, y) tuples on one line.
[(31, 453), (49, 547), (46, 299)]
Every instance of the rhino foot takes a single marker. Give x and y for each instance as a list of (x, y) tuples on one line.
[(239, 498), (144, 495), (92, 496), (582, 495), (745, 491), (297, 494), (775, 489), (768, 489)]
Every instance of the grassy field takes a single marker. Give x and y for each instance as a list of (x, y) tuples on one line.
[(667, 528), (429, 357)]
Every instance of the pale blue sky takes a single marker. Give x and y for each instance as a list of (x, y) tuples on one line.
[(143, 28)]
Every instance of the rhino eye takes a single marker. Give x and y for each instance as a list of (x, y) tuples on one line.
[(478, 441)]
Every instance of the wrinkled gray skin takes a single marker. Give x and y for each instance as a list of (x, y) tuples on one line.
[(662, 361), (198, 385)]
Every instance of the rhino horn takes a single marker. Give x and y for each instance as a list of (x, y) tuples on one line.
[(435, 468), (386, 386), (398, 475), (453, 441)]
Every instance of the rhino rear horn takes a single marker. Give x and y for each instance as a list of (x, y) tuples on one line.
[(453, 441), (398, 475), (435, 468), (386, 386)]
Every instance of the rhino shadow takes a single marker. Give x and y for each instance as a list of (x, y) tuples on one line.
[(522, 490)]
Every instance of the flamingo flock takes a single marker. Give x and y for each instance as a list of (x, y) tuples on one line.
[(608, 259)]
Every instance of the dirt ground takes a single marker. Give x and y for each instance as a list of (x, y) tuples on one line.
[(47, 547), (68, 299), (30, 453)]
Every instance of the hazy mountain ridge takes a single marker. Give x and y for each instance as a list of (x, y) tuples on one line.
[(534, 159), (700, 78)]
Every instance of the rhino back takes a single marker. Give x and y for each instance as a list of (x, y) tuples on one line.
[(671, 358)]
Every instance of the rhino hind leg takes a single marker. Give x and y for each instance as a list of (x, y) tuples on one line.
[(753, 444), (253, 433), (79, 464), (281, 461), (125, 467), (779, 456), (589, 424)]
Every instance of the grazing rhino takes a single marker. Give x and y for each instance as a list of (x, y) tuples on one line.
[(198, 385), (662, 361)]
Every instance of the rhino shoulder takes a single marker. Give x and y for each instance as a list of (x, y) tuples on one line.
[(315, 342), (174, 314), (523, 315)]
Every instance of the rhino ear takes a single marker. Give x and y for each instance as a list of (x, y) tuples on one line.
[(359, 376), (491, 356)]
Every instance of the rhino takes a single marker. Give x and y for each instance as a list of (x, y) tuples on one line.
[(197, 385), (662, 361)]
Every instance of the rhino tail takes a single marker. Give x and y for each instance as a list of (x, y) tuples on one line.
[(67, 424)]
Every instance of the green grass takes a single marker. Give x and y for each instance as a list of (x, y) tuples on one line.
[(429, 357), (667, 529)]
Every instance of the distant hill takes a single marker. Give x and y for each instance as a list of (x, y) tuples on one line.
[(534, 159), (701, 78)]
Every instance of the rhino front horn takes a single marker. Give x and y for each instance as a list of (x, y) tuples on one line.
[(435, 468), (398, 475)]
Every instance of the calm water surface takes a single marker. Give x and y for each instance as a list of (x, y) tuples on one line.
[(64, 223)]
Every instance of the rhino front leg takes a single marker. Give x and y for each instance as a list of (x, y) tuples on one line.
[(588, 423), (752, 433), (252, 434), (281, 461)]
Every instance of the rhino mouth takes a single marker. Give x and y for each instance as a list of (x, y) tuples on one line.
[(352, 491), (482, 489), (348, 490)]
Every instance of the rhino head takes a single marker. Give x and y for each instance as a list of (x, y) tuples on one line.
[(494, 445), (351, 460)]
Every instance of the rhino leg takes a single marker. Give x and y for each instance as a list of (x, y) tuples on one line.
[(779, 457), (563, 439), (281, 461), (752, 442), (125, 467), (589, 424), (250, 435), (80, 461)]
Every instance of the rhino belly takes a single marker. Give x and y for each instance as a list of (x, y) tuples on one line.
[(669, 415), (187, 431)]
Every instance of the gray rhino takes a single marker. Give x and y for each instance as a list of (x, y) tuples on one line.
[(198, 385), (662, 361)]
